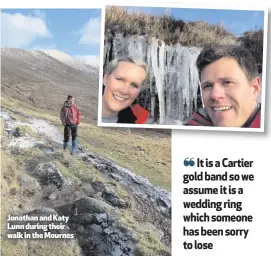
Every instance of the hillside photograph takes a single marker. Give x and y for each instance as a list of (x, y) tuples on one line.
[(169, 40), (107, 194)]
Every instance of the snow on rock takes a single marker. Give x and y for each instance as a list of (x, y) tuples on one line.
[(5, 116), (42, 127), (69, 60), (24, 142), (61, 56), (19, 142), (39, 126)]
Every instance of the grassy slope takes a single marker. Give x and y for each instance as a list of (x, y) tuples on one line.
[(107, 142), (147, 156), (12, 196)]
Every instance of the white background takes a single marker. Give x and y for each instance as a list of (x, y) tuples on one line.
[(216, 145), (213, 145)]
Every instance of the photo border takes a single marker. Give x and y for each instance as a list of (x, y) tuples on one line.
[(190, 6)]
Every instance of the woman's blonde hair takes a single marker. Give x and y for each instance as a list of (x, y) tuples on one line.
[(114, 64)]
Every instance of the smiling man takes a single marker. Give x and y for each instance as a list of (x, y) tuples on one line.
[(122, 82), (230, 86)]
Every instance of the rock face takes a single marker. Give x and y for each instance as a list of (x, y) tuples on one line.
[(49, 174), (91, 205), (153, 203), (173, 77), (110, 196), (158, 198), (18, 132), (98, 229)]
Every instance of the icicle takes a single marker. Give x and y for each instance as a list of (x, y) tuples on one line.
[(152, 92), (160, 85), (158, 71)]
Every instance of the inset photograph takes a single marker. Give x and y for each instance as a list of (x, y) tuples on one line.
[(183, 68), (69, 187)]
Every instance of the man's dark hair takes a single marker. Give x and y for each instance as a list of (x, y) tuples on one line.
[(69, 97), (243, 57)]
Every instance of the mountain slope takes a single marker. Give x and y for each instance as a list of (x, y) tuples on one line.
[(73, 62), (43, 81)]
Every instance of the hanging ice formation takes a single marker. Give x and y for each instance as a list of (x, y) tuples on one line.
[(172, 70)]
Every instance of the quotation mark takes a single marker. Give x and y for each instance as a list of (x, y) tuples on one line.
[(188, 162)]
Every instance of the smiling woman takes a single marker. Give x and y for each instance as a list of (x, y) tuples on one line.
[(122, 82)]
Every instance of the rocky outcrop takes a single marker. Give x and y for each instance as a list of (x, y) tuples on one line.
[(98, 229), (159, 198), (111, 196), (49, 174)]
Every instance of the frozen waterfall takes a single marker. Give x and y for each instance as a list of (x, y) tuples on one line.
[(173, 76)]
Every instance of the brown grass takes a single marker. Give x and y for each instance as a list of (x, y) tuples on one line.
[(253, 41), (202, 34), (166, 28)]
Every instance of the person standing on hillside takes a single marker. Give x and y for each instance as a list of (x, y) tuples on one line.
[(70, 117)]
